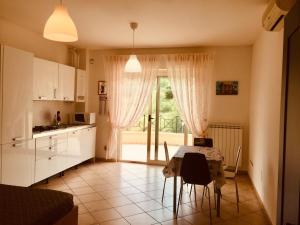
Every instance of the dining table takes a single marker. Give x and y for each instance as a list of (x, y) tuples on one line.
[(215, 163)]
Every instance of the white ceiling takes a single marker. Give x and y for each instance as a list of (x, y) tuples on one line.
[(162, 23)]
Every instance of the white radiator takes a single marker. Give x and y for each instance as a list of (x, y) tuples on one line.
[(227, 138)]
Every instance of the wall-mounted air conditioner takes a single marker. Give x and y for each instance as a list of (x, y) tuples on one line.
[(273, 16)]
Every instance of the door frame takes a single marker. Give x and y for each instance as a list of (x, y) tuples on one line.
[(291, 25)]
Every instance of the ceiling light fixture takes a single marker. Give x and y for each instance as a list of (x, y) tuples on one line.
[(133, 65), (60, 26)]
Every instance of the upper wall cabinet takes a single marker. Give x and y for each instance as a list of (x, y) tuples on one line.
[(45, 80), (81, 85), (66, 82)]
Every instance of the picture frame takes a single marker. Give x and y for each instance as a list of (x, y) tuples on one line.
[(227, 87), (102, 88)]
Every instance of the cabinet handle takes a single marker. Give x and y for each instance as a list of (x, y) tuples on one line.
[(50, 148), (17, 145), (42, 97), (52, 136), (18, 138), (54, 92), (66, 98)]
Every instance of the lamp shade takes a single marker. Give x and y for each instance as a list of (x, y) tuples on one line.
[(133, 65), (60, 26)]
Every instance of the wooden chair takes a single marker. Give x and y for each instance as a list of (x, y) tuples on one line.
[(231, 173), (167, 162), (195, 171)]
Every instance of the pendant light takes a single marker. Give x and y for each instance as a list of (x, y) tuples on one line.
[(60, 26), (133, 65)]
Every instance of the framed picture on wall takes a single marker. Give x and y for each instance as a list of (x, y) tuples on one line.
[(227, 88), (102, 88)]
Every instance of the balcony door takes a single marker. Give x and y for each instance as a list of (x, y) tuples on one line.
[(161, 122)]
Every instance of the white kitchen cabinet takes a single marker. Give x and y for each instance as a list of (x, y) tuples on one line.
[(74, 148), (51, 156), (18, 163), (16, 94), (66, 82), (45, 79), (87, 143)]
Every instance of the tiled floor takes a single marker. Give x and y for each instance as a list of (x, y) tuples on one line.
[(127, 193)]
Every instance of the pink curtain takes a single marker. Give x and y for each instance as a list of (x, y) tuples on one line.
[(189, 76), (128, 94)]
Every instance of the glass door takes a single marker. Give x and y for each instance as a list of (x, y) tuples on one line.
[(144, 142), (166, 123)]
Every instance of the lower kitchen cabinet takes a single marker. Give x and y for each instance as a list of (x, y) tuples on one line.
[(51, 154), (59, 152), (74, 149), (87, 143), (18, 160)]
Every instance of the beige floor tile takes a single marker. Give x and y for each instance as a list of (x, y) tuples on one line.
[(179, 221), (129, 210), (118, 201), (106, 215), (89, 197), (149, 205), (121, 193), (82, 190), (115, 222), (162, 215), (86, 219), (139, 197), (82, 209), (141, 219), (97, 205)]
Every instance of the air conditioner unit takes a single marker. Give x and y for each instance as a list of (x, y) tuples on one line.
[(273, 16)]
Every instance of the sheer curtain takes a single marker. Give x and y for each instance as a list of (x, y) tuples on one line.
[(128, 94), (189, 76)]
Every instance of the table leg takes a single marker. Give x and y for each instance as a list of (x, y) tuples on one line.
[(174, 194), (218, 201)]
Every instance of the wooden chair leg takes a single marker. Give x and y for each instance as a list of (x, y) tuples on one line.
[(162, 198), (179, 200), (209, 203), (237, 195)]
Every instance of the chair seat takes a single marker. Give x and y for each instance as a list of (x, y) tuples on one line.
[(229, 172)]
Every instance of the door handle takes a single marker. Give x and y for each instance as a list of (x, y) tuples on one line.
[(150, 118)]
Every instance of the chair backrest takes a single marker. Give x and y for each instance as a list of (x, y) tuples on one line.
[(166, 152), (203, 142), (194, 169), (238, 156)]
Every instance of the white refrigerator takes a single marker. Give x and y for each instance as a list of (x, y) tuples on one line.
[(16, 88)]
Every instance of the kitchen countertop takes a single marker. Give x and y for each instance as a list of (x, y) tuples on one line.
[(69, 128)]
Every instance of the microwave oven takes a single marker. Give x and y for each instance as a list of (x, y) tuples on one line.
[(83, 118)]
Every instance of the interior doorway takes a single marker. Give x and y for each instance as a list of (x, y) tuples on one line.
[(161, 122)]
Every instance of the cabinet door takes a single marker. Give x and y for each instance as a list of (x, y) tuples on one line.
[(45, 79), (74, 148), (81, 85), (18, 163), (17, 70), (87, 143), (66, 82)]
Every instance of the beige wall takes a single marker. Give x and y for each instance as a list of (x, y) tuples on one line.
[(265, 96), (18, 37), (231, 63)]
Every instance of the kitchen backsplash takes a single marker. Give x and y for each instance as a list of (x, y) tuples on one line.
[(44, 111)]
